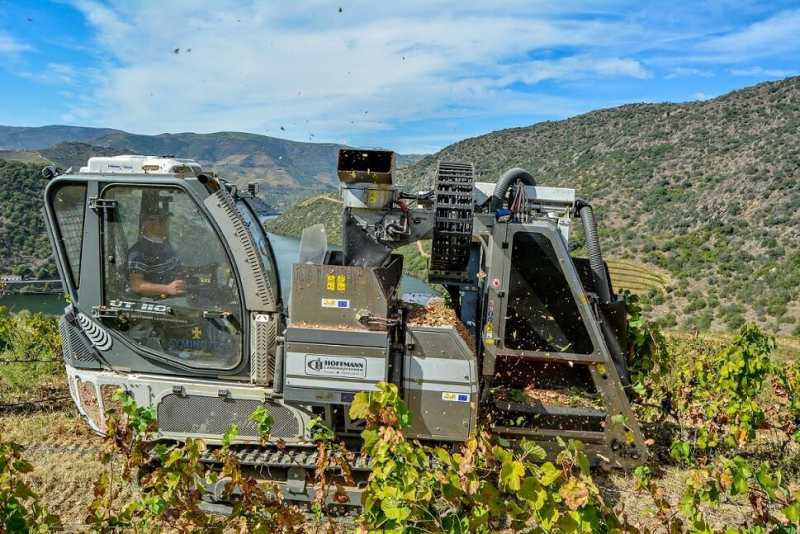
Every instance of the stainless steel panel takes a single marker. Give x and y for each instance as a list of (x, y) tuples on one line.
[(440, 382)]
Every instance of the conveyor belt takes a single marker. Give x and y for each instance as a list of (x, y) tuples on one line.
[(452, 231)]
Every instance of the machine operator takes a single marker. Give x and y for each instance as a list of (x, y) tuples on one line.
[(154, 268)]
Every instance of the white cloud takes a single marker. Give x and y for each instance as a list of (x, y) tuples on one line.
[(311, 69), (776, 34), (684, 72), (55, 73), (761, 72), (702, 96), (572, 68), (11, 46), (422, 73)]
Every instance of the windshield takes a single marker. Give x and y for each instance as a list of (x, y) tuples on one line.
[(172, 297), (263, 245)]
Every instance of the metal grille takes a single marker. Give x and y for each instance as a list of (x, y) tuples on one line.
[(452, 231), (77, 346), (66, 352), (195, 414), (263, 333)]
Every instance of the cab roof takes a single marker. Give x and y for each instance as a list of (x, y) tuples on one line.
[(137, 164)]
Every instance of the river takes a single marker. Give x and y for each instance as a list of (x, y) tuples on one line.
[(286, 251)]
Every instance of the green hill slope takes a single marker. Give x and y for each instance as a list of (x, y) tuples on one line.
[(24, 246), (705, 192)]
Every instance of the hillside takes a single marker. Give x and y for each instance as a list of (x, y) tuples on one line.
[(24, 246), (27, 138), (705, 193), (73, 154)]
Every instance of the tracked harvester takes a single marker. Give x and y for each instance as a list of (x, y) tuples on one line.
[(175, 298)]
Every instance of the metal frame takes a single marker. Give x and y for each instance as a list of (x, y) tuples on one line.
[(622, 444)]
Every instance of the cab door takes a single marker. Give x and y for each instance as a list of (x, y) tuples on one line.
[(65, 214), (169, 288)]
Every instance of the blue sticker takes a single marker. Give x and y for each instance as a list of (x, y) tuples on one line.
[(463, 397), (347, 398)]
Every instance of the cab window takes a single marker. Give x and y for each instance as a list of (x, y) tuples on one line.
[(69, 202), (168, 278), (263, 246)]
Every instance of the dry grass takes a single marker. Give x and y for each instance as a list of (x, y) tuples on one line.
[(63, 451)]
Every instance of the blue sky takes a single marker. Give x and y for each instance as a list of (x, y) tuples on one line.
[(412, 76)]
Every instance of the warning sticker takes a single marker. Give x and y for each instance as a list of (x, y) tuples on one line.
[(455, 397), (330, 282), (341, 283), (335, 303), (495, 283)]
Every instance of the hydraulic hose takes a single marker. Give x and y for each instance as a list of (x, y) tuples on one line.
[(505, 181), (599, 276)]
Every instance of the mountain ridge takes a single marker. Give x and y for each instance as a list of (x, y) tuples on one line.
[(37, 137)]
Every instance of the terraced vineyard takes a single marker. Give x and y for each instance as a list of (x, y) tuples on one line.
[(636, 277)]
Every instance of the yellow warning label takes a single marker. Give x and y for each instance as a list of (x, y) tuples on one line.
[(330, 282), (341, 283), (489, 328), (629, 436), (373, 197), (490, 341), (583, 297), (601, 368)]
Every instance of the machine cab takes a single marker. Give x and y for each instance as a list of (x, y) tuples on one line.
[(159, 260)]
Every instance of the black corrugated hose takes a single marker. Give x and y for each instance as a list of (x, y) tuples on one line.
[(599, 276), (505, 181)]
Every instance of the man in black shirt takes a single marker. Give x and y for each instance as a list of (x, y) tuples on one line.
[(154, 268)]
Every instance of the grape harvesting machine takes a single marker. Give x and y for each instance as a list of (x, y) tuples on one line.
[(175, 298)]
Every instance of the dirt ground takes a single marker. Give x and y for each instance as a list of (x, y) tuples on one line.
[(63, 451)]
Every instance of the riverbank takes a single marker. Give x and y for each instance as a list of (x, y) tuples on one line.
[(31, 287)]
